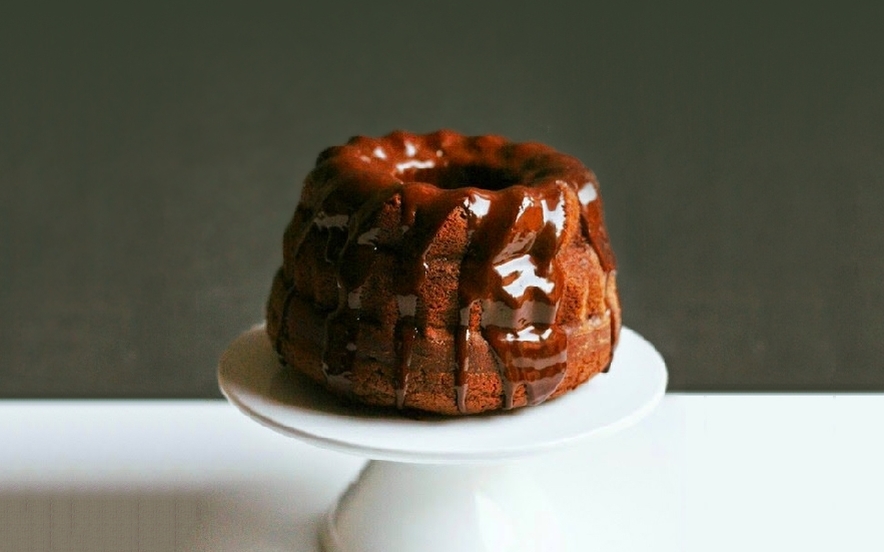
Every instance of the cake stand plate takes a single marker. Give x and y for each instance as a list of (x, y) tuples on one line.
[(438, 483)]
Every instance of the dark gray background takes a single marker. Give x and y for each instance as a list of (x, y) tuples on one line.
[(150, 159)]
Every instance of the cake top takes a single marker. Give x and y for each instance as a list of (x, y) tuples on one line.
[(349, 176)]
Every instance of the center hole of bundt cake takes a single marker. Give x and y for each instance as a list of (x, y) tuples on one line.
[(451, 177)]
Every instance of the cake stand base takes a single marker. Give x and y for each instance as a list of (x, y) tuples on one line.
[(443, 483), (395, 506)]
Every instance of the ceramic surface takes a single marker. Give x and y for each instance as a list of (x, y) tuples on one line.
[(252, 379)]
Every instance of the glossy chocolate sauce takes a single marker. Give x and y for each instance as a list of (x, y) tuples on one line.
[(513, 198)]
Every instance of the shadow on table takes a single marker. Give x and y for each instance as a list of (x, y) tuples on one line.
[(144, 520)]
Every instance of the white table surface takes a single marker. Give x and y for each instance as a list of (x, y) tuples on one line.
[(703, 472)]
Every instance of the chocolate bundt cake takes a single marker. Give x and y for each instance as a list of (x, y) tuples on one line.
[(446, 273)]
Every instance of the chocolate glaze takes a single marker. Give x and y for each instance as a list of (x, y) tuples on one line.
[(513, 198)]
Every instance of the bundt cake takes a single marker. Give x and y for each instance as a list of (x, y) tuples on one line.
[(446, 273)]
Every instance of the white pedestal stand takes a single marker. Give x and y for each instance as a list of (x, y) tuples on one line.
[(443, 484)]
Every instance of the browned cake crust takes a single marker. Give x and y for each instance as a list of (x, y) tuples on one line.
[(446, 273)]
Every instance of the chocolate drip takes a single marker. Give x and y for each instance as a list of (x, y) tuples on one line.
[(510, 270), (353, 263), (405, 333), (424, 209), (462, 358)]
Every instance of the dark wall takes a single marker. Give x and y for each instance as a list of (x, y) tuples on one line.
[(150, 159)]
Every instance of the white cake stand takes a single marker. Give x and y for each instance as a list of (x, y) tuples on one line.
[(442, 484)]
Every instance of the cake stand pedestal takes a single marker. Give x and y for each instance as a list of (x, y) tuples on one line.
[(437, 484)]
